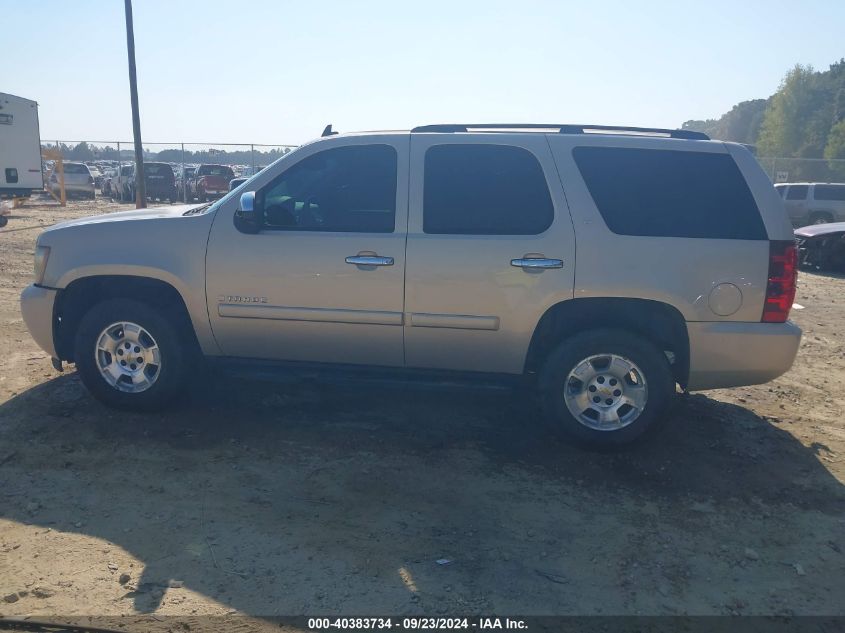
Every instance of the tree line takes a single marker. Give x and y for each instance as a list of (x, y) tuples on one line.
[(805, 118)]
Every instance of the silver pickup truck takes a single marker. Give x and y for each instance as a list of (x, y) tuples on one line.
[(605, 265)]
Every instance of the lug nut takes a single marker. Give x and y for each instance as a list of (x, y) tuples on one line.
[(608, 401), (596, 399), (133, 366), (600, 380), (137, 350), (613, 381), (123, 362), (617, 393), (120, 352), (592, 388)]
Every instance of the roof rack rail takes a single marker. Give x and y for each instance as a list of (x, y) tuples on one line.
[(566, 128)]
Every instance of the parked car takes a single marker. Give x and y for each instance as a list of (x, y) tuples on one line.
[(813, 202), (160, 181), (97, 174), (182, 177), (78, 181), (237, 182), (105, 186), (446, 251), (209, 182), (822, 247), (123, 184)]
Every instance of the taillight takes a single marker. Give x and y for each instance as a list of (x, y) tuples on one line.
[(783, 279)]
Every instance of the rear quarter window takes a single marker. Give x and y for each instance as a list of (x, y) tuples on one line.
[(829, 192), (670, 193)]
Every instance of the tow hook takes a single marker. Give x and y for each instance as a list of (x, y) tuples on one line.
[(57, 364)]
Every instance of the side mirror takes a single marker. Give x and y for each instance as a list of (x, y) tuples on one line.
[(248, 218)]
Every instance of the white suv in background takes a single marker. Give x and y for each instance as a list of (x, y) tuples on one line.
[(813, 202)]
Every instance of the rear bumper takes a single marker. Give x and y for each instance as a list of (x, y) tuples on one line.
[(37, 310), (727, 354)]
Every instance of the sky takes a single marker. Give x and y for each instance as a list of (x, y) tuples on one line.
[(276, 72)]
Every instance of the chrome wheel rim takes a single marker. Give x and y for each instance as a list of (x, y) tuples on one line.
[(128, 357), (606, 392)]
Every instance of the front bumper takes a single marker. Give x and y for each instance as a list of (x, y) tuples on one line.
[(730, 354), (37, 310)]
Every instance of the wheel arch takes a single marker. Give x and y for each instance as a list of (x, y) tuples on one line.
[(74, 300), (659, 322)]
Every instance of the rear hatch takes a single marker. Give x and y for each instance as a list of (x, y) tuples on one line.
[(159, 177), (215, 178)]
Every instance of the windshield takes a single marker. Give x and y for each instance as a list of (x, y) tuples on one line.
[(216, 170)]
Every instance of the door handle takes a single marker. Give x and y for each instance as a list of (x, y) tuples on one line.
[(369, 260), (537, 262)]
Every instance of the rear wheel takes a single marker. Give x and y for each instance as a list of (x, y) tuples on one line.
[(130, 355), (605, 387)]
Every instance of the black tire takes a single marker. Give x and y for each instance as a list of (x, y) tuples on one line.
[(164, 330), (3, 221), (650, 360)]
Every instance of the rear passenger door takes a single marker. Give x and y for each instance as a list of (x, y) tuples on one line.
[(490, 248), (796, 203)]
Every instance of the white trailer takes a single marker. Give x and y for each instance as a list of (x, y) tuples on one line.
[(20, 147)]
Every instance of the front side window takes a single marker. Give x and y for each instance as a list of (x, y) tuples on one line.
[(829, 192), (484, 190), (797, 192), (670, 193), (346, 189)]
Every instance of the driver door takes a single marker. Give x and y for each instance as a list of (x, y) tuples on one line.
[(323, 280)]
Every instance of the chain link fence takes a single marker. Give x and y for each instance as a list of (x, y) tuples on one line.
[(248, 158), (239, 156), (804, 169)]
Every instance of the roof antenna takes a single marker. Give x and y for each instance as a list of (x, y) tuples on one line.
[(328, 131)]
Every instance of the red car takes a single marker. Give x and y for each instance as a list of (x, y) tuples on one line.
[(209, 182)]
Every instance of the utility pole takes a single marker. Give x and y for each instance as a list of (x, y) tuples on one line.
[(140, 183)]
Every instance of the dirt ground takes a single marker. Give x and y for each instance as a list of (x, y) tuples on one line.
[(266, 499)]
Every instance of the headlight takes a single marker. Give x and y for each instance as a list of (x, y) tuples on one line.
[(42, 254)]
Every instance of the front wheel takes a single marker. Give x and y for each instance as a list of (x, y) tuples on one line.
[(605, 387), (130, 355)]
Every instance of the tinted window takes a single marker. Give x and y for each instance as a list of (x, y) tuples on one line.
[(797, 192), (76, 168), (829, 192), (215, 170), (484, 190), (158, 169), (668, 193), (348, 189)]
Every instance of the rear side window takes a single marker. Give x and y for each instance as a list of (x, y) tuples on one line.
[(484, 190), (797, 192), (829, 192), (667, 193)]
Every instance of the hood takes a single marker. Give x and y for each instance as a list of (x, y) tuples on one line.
[(814, 230), (156, 213)]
